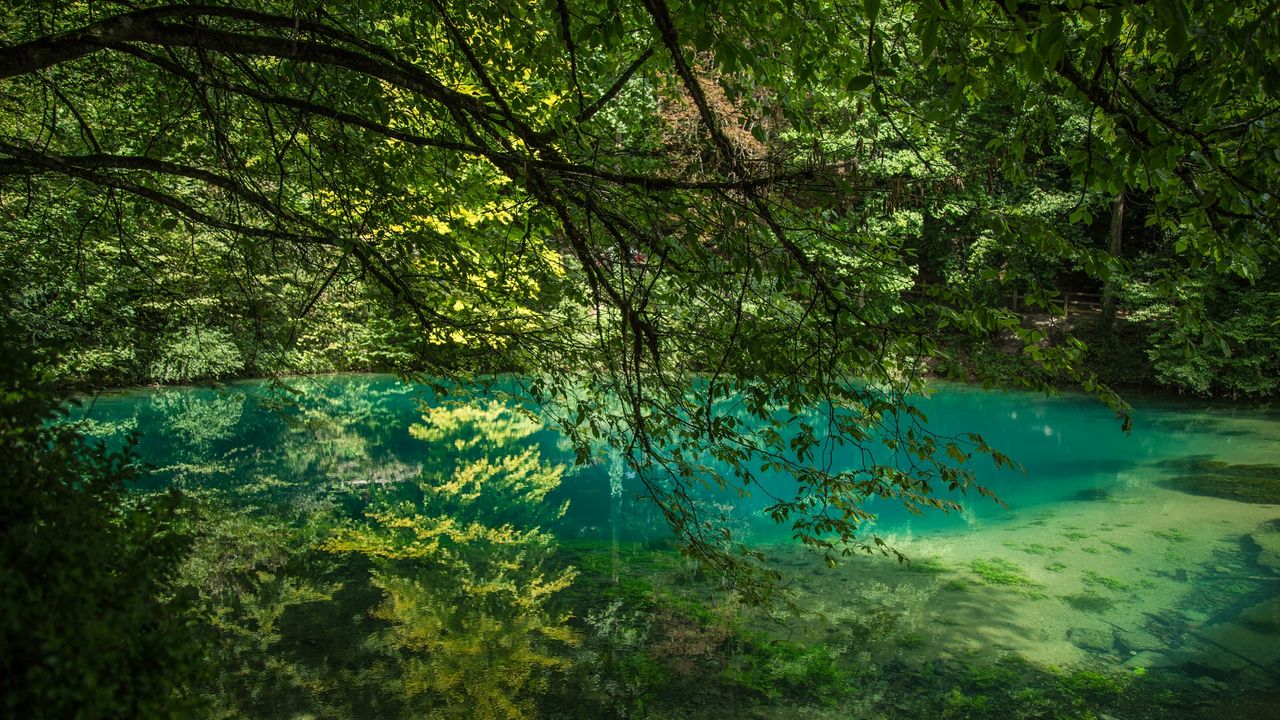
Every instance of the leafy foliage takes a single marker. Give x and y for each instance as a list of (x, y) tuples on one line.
[(92, 627), (196, 353)]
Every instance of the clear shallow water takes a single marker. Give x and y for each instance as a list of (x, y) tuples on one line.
[(323, 528)]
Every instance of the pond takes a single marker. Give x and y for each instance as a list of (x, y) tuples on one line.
[(367, 551)]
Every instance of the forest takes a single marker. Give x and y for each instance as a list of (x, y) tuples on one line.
[(531, 358)]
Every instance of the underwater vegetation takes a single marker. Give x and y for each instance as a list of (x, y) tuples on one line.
[(1006, 574), (1097, 580), (1034, 548), (1200, 475), (926, 565), (1015, 688)]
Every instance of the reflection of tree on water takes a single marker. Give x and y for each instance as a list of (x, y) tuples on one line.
[(198, 419), (464, 568), (335, 433), (283, 449)]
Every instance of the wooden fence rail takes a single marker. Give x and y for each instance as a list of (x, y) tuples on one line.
[(1077, 302)]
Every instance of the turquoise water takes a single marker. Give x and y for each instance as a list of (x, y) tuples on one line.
[(348, 544), (328, 434)]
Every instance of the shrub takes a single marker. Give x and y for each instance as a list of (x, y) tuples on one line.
[(89, 625)]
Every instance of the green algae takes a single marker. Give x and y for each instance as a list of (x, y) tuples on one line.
[(1171, 535), (1199, 475), (912, 640), (1009, 575), (926, 566), (1034, 548), (1094, 579)]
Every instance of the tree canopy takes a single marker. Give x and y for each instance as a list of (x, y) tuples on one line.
[(665, 216)]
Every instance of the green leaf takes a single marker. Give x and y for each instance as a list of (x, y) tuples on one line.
[(873, 9), (928, 39), (1114, 24), (858, 82)]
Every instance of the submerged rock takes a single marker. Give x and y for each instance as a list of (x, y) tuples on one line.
[(1211, 685), (1250, 642), (1150, 660), (1092, 639), (1264, 618)]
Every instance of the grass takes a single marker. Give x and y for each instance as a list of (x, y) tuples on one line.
[(1056, 567), (1171, 535)]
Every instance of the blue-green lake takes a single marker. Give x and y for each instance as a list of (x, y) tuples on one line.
[(359, 560)]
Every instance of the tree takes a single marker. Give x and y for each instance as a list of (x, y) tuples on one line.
[(507, 176)]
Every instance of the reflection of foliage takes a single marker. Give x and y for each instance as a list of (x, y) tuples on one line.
[(471, 426), (237, 554), (287, 623), (285, 449), (106, 430), (470, 650), (612, 668), (336, 433), (464, 568), (197, 420)]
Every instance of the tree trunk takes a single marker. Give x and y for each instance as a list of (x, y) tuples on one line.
[(1117, 235)]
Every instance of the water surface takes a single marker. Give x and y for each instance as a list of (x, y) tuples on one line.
[(370, 562)]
